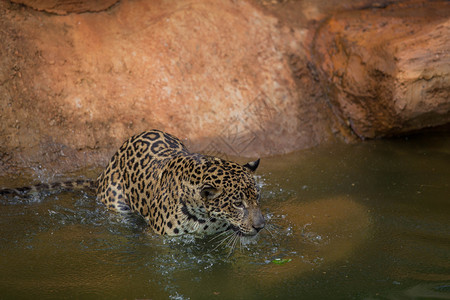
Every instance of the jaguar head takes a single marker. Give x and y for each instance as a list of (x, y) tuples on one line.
[(230, 194)]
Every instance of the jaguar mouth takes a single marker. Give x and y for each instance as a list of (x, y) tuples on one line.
[(238, 231), (235, 229)]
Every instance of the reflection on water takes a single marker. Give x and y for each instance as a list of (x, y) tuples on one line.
[(361, 221)]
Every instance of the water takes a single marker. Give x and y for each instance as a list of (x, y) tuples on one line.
[(365, 221)]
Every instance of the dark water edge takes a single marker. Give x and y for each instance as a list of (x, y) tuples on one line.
[(363, 221)]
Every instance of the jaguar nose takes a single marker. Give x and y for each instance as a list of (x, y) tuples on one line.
[(259, 222), (258, 229)]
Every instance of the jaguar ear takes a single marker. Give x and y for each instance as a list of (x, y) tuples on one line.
[(208, 192), (252, 166)]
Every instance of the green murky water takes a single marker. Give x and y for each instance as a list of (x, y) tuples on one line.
[(366, 221)]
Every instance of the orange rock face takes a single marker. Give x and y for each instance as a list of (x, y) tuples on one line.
[(224, 76), (388, 69), (212, 73)]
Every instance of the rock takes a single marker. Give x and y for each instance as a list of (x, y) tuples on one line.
[(230, 78), (387, 70), (213, 73)]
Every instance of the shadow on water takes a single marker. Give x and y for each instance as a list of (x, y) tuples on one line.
[(364, 221)]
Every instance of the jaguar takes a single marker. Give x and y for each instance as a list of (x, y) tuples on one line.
[(174, 190)]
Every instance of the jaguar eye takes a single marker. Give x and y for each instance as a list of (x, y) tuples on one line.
[(239, 204)]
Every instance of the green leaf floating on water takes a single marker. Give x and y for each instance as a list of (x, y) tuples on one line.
[(281, 261)]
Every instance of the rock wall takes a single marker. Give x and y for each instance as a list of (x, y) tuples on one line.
[(387, 69), (234, 77)]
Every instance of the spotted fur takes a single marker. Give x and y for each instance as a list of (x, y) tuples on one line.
[(66, 185)]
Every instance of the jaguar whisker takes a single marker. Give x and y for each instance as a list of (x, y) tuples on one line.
[(232, 243), (224, 240), (219, 235)]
